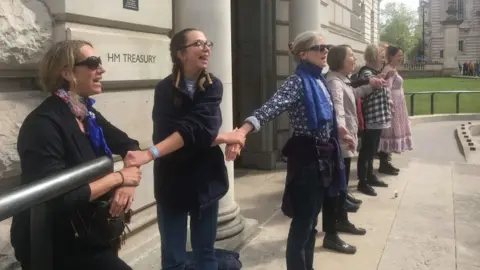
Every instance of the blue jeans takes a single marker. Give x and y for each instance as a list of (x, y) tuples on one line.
[(173, 231)]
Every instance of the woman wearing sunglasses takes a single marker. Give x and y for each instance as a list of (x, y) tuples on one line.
[(189, 171), (63, 132), (314, 161)]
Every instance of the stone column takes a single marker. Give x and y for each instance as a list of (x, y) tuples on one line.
[(304, 16), (451, 34), (213, 18)]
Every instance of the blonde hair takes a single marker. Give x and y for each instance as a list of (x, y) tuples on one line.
[(371, 53), (303, 42), (61, 57)]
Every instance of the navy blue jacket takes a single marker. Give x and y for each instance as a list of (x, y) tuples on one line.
[(194, 176)]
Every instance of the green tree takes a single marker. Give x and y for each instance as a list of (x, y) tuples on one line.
[(400, 26)]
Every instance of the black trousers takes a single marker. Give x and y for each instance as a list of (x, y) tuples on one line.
[(370, 141), (340, 212), (307, 196)]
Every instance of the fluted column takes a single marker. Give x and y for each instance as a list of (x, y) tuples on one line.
[(304, 16), (213, 17)]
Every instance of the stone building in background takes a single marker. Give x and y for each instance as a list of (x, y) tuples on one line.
[(250, 55), (468, 43)]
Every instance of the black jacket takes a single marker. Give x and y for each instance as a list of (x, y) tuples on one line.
[(50, 141), (194, 176)]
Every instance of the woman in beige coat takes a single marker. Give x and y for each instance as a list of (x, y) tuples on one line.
[(341, 62)]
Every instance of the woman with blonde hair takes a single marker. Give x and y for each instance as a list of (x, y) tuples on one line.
[(63, 132), (377, 116), (315, 171)]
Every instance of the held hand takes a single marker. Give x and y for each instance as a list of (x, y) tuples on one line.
[(137, 158), (232, 151), (122, 200), (390, 103), (235, 137), (131, 176), (349, 141), (377, 82), (342, 131)]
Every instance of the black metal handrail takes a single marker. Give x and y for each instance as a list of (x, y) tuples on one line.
[(34, 196), (432, 98)]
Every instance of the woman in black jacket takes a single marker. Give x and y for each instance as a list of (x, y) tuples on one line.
[(190, 173), (63, 132)]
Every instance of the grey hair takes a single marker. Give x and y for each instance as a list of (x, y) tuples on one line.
[(303, 42), (371, 53)]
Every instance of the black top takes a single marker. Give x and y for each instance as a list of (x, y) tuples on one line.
[(194, 176), (50, 141)]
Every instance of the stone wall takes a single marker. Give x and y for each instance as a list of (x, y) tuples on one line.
[(131, 40)]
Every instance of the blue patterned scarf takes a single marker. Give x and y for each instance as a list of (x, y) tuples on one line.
[(82, 108), (318, 107)]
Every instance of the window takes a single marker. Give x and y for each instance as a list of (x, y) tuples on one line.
[(460, 45), (441, 53), (460, 9)]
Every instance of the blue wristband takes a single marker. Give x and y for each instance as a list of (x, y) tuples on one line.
[(154, 151)]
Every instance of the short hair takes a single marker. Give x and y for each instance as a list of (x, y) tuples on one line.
[(303, 42), (336, 57), (62, 56), (371, 53)]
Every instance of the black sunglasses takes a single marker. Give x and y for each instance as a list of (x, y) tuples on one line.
[(92, 62), (200, 44), (320, 48)]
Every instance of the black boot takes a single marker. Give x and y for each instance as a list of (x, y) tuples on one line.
[(333, 242), (366, 189), (385, 166), (346, 226), (350, 207), (354, 200), (375, 182)]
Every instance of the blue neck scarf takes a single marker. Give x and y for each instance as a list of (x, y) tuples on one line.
[(319, 111), (82, 109), (95, 132)]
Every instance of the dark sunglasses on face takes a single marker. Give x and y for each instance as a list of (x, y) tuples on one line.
[(200, 44), (92, 62), (319, 48)]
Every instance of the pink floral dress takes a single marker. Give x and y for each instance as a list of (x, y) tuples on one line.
[(398, 137)]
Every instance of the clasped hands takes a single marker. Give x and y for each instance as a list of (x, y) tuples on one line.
[(124, 195)]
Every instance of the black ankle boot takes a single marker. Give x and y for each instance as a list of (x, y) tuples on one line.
[(354, 200), (385, 165), (350, 206), (333, 242), (366, 189), (346, 226), (387, 168)]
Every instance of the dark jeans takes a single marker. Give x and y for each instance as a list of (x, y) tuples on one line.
[(341, 214), (307, 197), (203, 231), (370, 141)]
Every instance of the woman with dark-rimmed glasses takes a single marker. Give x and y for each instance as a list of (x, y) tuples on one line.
[(189, 171)]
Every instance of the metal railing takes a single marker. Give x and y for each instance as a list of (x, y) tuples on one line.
[(432, 95), (35, 196)]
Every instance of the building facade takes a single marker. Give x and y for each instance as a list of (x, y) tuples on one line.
[(469, 32), (250, 56)]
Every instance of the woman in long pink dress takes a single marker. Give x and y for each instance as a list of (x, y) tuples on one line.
[(398, 137)]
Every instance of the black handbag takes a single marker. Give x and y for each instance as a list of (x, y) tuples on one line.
[(95, 226)]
